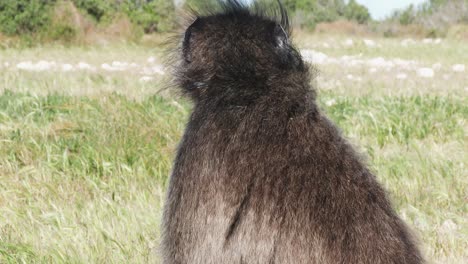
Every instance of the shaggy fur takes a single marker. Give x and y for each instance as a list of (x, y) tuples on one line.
[(261, 175)]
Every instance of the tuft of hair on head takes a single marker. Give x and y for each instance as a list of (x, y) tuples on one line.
[(274, 11), (237, 48)]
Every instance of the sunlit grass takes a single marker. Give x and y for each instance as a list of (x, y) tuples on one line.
[(85, 157), (83, 179), (448, 50)]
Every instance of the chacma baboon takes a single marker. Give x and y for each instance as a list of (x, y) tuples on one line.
[(261, 175)]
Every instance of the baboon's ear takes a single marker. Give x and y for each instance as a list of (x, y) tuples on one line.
[(187, 44), (280, 37), (286, 53)]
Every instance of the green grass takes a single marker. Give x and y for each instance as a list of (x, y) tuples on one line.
[(400, 120), (82, 179), (85, 157)]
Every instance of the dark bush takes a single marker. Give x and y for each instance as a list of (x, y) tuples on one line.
[(63, 32), (97, 9), (152, 16)]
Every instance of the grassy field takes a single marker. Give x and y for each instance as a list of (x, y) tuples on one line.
[(85, 154)]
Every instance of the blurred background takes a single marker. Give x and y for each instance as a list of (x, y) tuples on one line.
[(92, 21), (89, 121)]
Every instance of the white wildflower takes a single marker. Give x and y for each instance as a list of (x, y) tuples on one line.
[(369, 43), (107, 67), (158, 69), (40, 66), (428, 41), (437, 66), (43, 65), (146, 79), (330, 102), (407, 42), (85, 66), (314, 56), (458, 68), (380, 62), (120, 66), (348, 42), (402, 76), (406, 64), (448, 227), (151, 59), (67, 67), (426, 72)]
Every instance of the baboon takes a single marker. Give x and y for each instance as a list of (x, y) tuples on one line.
[(261, 175)]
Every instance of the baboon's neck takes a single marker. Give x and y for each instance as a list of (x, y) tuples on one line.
[(268, 90)]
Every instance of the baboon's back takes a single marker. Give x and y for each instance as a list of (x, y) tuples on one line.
[(261, 176)]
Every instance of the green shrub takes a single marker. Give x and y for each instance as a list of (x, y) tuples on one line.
[(97, 9), (24, 16), (357, 12), (407, 16), (63, 32), (201, 4), (152, 16), (308, 13)]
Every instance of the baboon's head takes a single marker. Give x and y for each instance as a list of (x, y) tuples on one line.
[(236, 53)]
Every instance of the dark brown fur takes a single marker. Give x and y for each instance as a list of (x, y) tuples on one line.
[(261, 175)]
